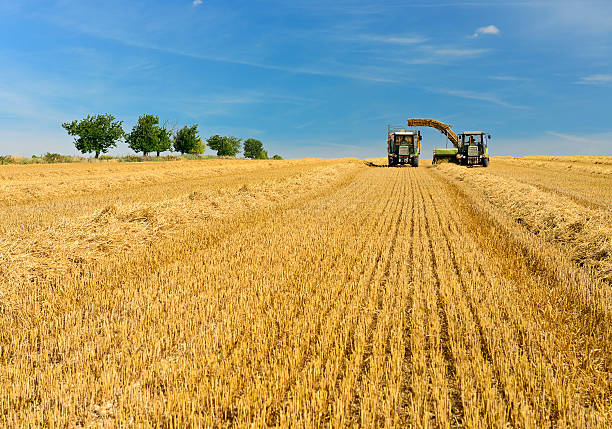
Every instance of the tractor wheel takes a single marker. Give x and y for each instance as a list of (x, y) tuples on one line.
[(415, 161), (485, 162), (390, 161), (433, 161)]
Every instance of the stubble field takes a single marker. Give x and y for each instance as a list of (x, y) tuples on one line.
[(307, 293)]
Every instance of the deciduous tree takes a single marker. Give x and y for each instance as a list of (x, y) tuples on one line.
[(95, 134), (224, 145), (147, 136), (253, 149), (186, 139)]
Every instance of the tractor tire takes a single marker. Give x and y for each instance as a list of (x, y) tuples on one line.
[(415, 161), (433, 161), (485, 162), (390, 161)]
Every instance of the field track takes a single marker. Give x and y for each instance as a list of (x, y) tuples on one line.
[(307, 293)]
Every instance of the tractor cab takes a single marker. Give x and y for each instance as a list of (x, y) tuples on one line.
[(474, 148)]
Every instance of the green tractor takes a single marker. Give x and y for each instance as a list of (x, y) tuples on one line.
[(403, 146), (473, 148), (470, 148)]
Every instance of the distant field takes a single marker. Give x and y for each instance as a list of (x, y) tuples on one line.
[(307, 293)]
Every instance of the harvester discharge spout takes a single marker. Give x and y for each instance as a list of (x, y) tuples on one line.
[(440, 126)]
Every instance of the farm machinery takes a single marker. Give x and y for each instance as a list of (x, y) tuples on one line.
[(470, 147), (403, 146)]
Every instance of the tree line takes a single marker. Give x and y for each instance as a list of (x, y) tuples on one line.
[(99, 133)]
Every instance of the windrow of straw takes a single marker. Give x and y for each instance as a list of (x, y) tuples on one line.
[(119, 227), (584, 233)]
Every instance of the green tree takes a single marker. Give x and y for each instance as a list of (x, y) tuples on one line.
[(95, 133), (163, 142), (186, 139), (225, 146), (147, 136), (253, 149), (277, 157)]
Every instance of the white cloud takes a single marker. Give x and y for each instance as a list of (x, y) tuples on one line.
[(596, 79), (197, 2), (489, 29)]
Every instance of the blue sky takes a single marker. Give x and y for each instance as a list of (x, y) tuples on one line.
[(312, 78)]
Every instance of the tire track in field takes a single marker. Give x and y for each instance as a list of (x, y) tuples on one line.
[(460, 274), (367, 353), (387, 228), (419, 405), (541, 365), (406, 387), (516, 411), (381, 332), (451, 370)]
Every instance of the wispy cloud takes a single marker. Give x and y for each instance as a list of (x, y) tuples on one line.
[(509, 78), (482, 96), (367, 74), (568, 137), (596, 79), (489, 29), (451, 52), (196, 2), (395, 40)]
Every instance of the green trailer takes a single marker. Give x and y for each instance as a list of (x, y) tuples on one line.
[(445, 155)]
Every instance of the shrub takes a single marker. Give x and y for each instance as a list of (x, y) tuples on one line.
[(6, 159), (54, 158), (130, 158)]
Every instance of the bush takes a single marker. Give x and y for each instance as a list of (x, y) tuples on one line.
[(106, 157), (6, 159), (277, 157), (54, 158), (162, 158), (130, 158)]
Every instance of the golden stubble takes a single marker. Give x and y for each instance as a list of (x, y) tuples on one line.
[(300, 293)]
